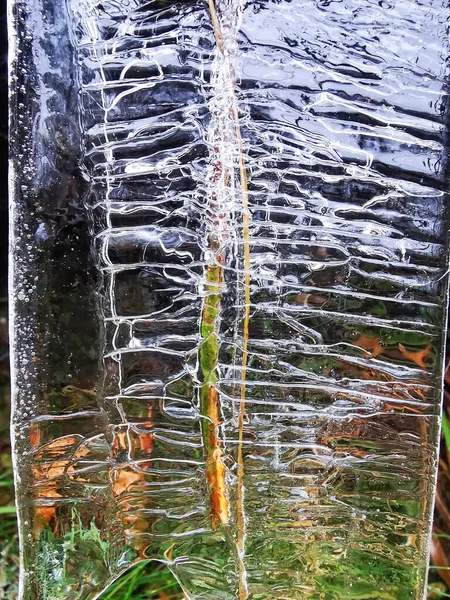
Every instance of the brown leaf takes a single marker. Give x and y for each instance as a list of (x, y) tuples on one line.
[(439, 559), (442, 509)]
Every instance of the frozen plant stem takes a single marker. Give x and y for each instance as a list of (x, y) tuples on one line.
[(209, 396), (209, 350)]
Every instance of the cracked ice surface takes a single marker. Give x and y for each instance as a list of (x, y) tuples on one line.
[(230, 252)]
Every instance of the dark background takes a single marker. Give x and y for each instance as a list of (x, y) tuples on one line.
[(3, 151)]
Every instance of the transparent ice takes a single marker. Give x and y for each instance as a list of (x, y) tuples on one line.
[(229, 287)]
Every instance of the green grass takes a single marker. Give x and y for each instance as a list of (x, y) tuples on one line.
[(144, 582), (9, 547)]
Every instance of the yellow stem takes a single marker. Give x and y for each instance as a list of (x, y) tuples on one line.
[(243, 593), (243, 590), (216, 26)]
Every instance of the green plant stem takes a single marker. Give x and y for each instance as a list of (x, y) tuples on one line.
[(7, 510), (209, 395), (446, 430)]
